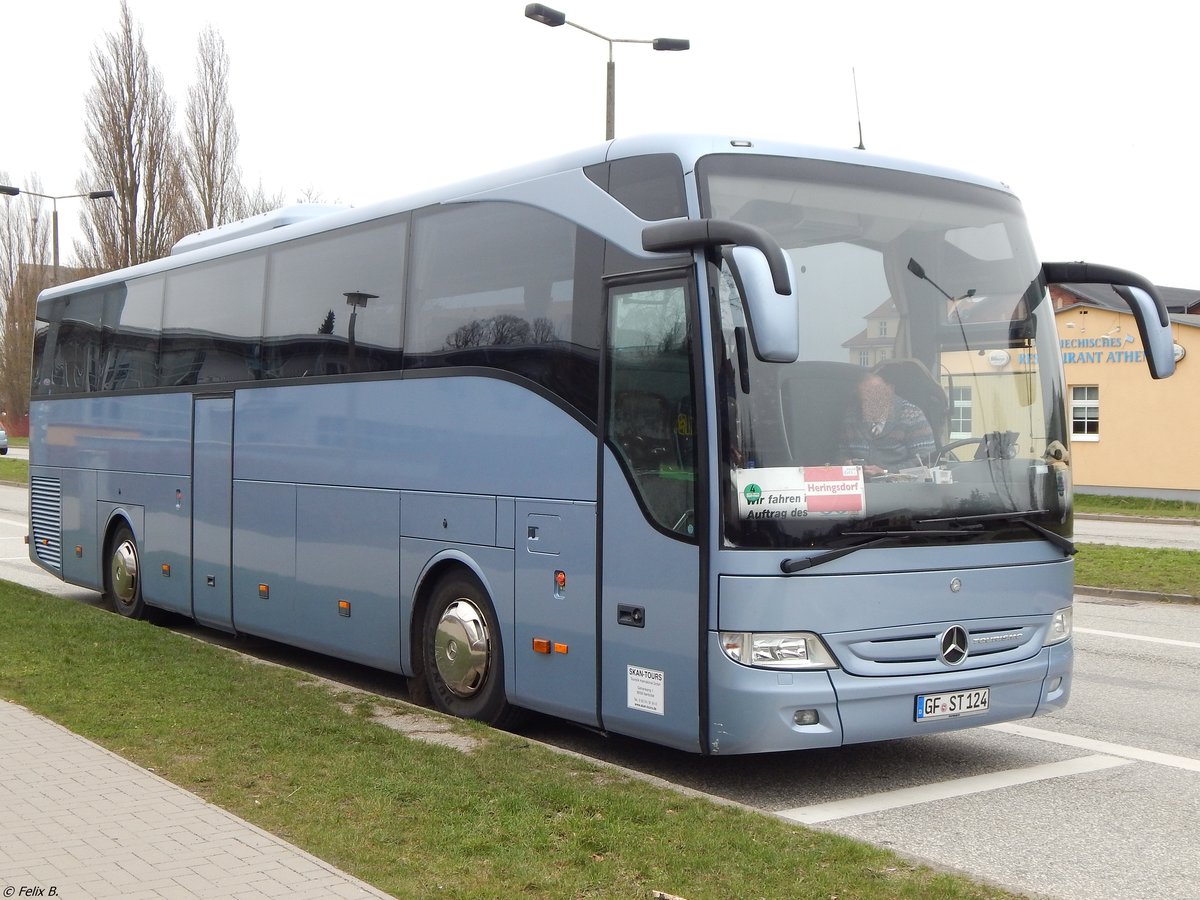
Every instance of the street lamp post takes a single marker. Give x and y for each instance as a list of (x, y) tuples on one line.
[(90, 195), (552, 17)]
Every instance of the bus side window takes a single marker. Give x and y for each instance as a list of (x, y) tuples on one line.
[(494, 286), (651, 406)]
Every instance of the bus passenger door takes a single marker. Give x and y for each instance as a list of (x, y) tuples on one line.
[(555, 652), (212, 510), (651, 603)]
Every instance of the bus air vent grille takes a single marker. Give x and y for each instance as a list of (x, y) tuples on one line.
[(45, 513)]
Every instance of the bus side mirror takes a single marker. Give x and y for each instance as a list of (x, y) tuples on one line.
[(763, 272), (1149, 312), (1156, 337), (774, 318)]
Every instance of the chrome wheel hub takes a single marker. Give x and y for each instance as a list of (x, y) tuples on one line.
[(124, 570), (461, 648)]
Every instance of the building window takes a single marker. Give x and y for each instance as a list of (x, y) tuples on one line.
[(864, 358), (960, 413), (883, 327), (1085, 413)]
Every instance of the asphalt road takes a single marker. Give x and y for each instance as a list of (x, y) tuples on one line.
[(1137, 534), (1096, 801)]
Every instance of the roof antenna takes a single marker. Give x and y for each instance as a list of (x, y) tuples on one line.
[(857, 111)]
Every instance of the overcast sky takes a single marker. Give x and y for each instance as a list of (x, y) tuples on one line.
[(1088, 109)]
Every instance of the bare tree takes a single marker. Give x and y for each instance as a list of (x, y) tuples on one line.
[(211, 138), (25, 269), (543, 331), (132, 146), (259, 201)]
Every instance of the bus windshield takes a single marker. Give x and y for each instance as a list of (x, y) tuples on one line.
[(917, 402)]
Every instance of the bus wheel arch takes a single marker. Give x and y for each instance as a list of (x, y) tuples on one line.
[(123, 572), (458, 652)]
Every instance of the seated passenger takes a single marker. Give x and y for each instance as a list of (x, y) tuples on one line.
[(883, 432)]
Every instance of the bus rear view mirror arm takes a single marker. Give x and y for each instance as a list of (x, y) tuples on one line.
[(762, 270), (687, 234), (1150, 313)]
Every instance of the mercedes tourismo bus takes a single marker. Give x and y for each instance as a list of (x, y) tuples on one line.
[(572, 439)]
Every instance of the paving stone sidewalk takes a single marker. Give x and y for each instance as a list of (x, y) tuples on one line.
[(81, 823)]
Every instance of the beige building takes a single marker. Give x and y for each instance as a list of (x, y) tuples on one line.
[(1127, 429)]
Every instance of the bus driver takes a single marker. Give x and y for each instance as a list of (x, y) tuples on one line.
[(884, 432)]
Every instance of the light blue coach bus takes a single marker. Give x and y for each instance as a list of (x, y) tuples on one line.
[(573, 438)]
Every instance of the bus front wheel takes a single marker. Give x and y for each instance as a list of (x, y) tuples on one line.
[(461, 653), (123, 577)]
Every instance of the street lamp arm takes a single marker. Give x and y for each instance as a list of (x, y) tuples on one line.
[(11, 191), (90, 195), (546, 15)]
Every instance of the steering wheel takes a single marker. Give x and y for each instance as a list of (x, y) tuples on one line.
[(954, 445)]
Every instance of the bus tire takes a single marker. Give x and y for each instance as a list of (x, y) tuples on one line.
[(461, 653), (123, 574)]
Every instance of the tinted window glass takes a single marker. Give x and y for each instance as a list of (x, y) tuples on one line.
[(651, 415), (651, 187), (335, 303), (69, 347), (494, 285), (212, 322), (131, 335)]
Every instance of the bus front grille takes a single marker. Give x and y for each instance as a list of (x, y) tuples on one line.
[(45, 515), (918, 650)]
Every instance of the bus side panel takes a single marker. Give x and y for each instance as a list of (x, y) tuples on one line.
[(166, 542), (161, 525), (151, 434), (79, 528), (493, 566), (651, 665), (416, 434), (212, 507), (120, 453), (556, 604), (264, 558), (346, 550)]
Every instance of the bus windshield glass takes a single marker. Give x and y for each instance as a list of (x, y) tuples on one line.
[(917, 403)]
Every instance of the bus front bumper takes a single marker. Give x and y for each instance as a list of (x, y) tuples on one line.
[(762, 710)]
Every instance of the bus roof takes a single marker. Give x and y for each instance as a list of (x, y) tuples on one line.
[(299, 221)]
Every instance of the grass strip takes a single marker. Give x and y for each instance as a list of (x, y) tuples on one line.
[(1098, 504), (14, 471), (1157, 569), (295, 757)]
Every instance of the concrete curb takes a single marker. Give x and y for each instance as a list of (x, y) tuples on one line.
[(1152, 596), (1142, 520)]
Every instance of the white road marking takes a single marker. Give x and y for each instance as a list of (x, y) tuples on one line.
[(1082, 743), (1139, 637), (944, 790)]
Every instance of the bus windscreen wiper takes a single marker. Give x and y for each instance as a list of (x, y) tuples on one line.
[(1017, 517), (875, 538)]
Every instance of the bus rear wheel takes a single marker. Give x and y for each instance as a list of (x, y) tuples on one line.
[(462, 655), (123, 575)]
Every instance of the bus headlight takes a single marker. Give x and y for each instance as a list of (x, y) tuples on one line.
[(777, 650), (1060, 627)]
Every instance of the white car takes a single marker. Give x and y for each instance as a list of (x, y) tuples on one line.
[(3, 441)]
